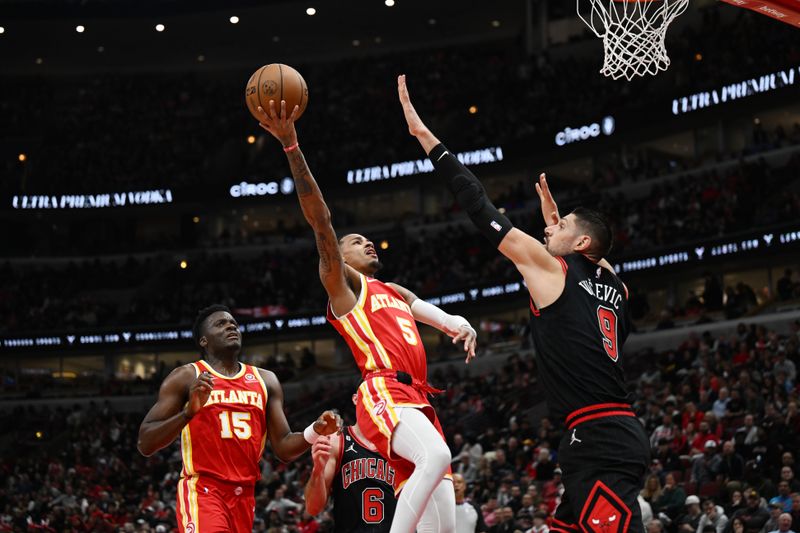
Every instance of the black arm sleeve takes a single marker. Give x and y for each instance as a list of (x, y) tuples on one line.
[(470, 195)]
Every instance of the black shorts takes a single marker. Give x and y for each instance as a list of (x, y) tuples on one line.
[(603, 462)]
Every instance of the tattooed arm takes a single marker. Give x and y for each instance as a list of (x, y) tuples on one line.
[(332, 270)]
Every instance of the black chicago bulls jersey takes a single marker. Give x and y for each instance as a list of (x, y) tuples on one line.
[(363, 489), (579, 339)]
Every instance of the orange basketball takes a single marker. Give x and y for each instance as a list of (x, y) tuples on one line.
[(276, 82)]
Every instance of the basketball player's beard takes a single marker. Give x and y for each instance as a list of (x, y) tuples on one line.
[(375, 266)]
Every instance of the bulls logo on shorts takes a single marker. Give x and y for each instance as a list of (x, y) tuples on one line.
[(604, 512)]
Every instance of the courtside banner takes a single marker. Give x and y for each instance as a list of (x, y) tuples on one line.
[(787, 11)]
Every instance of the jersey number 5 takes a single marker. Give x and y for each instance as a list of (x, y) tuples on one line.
[(607, 319), (372, 506), (241, 425), (408, 331)]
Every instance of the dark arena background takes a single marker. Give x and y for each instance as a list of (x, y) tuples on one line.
[(136, 189)]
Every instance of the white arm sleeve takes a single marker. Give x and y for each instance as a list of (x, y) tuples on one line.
[(433, 316)]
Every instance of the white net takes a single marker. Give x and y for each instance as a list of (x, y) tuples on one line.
[(633, 33)]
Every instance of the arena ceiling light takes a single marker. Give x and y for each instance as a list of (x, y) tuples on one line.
[(389, 3), (80, 28), (2, 29), (160, 27), (234, 19), (311, 11)]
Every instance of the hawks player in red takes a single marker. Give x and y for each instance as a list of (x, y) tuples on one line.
[(223, 410), (377, 320)]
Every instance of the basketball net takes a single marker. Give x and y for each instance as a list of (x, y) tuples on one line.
[(633, 33)]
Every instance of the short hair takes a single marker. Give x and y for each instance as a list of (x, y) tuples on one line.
[(200, 319), (595, 225)]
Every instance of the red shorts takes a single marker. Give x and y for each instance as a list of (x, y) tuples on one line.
[(377, 418), (213, 506)]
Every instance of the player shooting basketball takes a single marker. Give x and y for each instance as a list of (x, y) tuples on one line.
[(579, 323), (377, 320)]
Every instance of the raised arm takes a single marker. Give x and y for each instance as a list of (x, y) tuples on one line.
[(332, 270), (325, 454), (538, 267), (180, 397), (455, 326), (288, 445)]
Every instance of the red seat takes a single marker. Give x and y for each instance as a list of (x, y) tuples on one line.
[(709, 489)]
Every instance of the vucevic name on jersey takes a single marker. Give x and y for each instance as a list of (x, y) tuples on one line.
[(363, 489), (579, 339)]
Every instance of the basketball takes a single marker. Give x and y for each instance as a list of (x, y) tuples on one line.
[(276, 82)]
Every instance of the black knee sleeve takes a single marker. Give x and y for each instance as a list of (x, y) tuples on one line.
[(470, 195)]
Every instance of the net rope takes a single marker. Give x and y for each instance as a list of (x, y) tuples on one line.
[(633, 34)]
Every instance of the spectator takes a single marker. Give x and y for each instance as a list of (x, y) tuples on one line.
[(540, 523), (775, 512), (281, 504), (731, 466), (655, 526), (795, 508), (667, 431), (691, 518), (784, 498), (754, 515), (672, 499), (706, 466), (652, 489), (784, 524), (720, 408), (714, 516)]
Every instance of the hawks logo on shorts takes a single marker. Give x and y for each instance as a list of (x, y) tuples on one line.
[(379, 408)]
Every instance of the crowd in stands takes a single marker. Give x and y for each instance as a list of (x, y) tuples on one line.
[(153, 289), (721, 413)]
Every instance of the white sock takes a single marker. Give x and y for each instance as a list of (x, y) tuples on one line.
[(440, 513), (416, 439)]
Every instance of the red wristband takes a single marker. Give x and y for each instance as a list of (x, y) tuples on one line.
[(291, 148)]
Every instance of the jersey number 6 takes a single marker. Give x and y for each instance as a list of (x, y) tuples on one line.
[(607, 319), (372, 506)]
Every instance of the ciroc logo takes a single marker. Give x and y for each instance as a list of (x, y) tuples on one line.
[(570, 135)]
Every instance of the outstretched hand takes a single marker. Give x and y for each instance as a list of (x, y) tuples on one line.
[(549, 207), (415, 125), (280, 124), (470, 338)]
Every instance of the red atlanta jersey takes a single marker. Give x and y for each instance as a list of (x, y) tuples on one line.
[(225, 439), (382, 332)]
